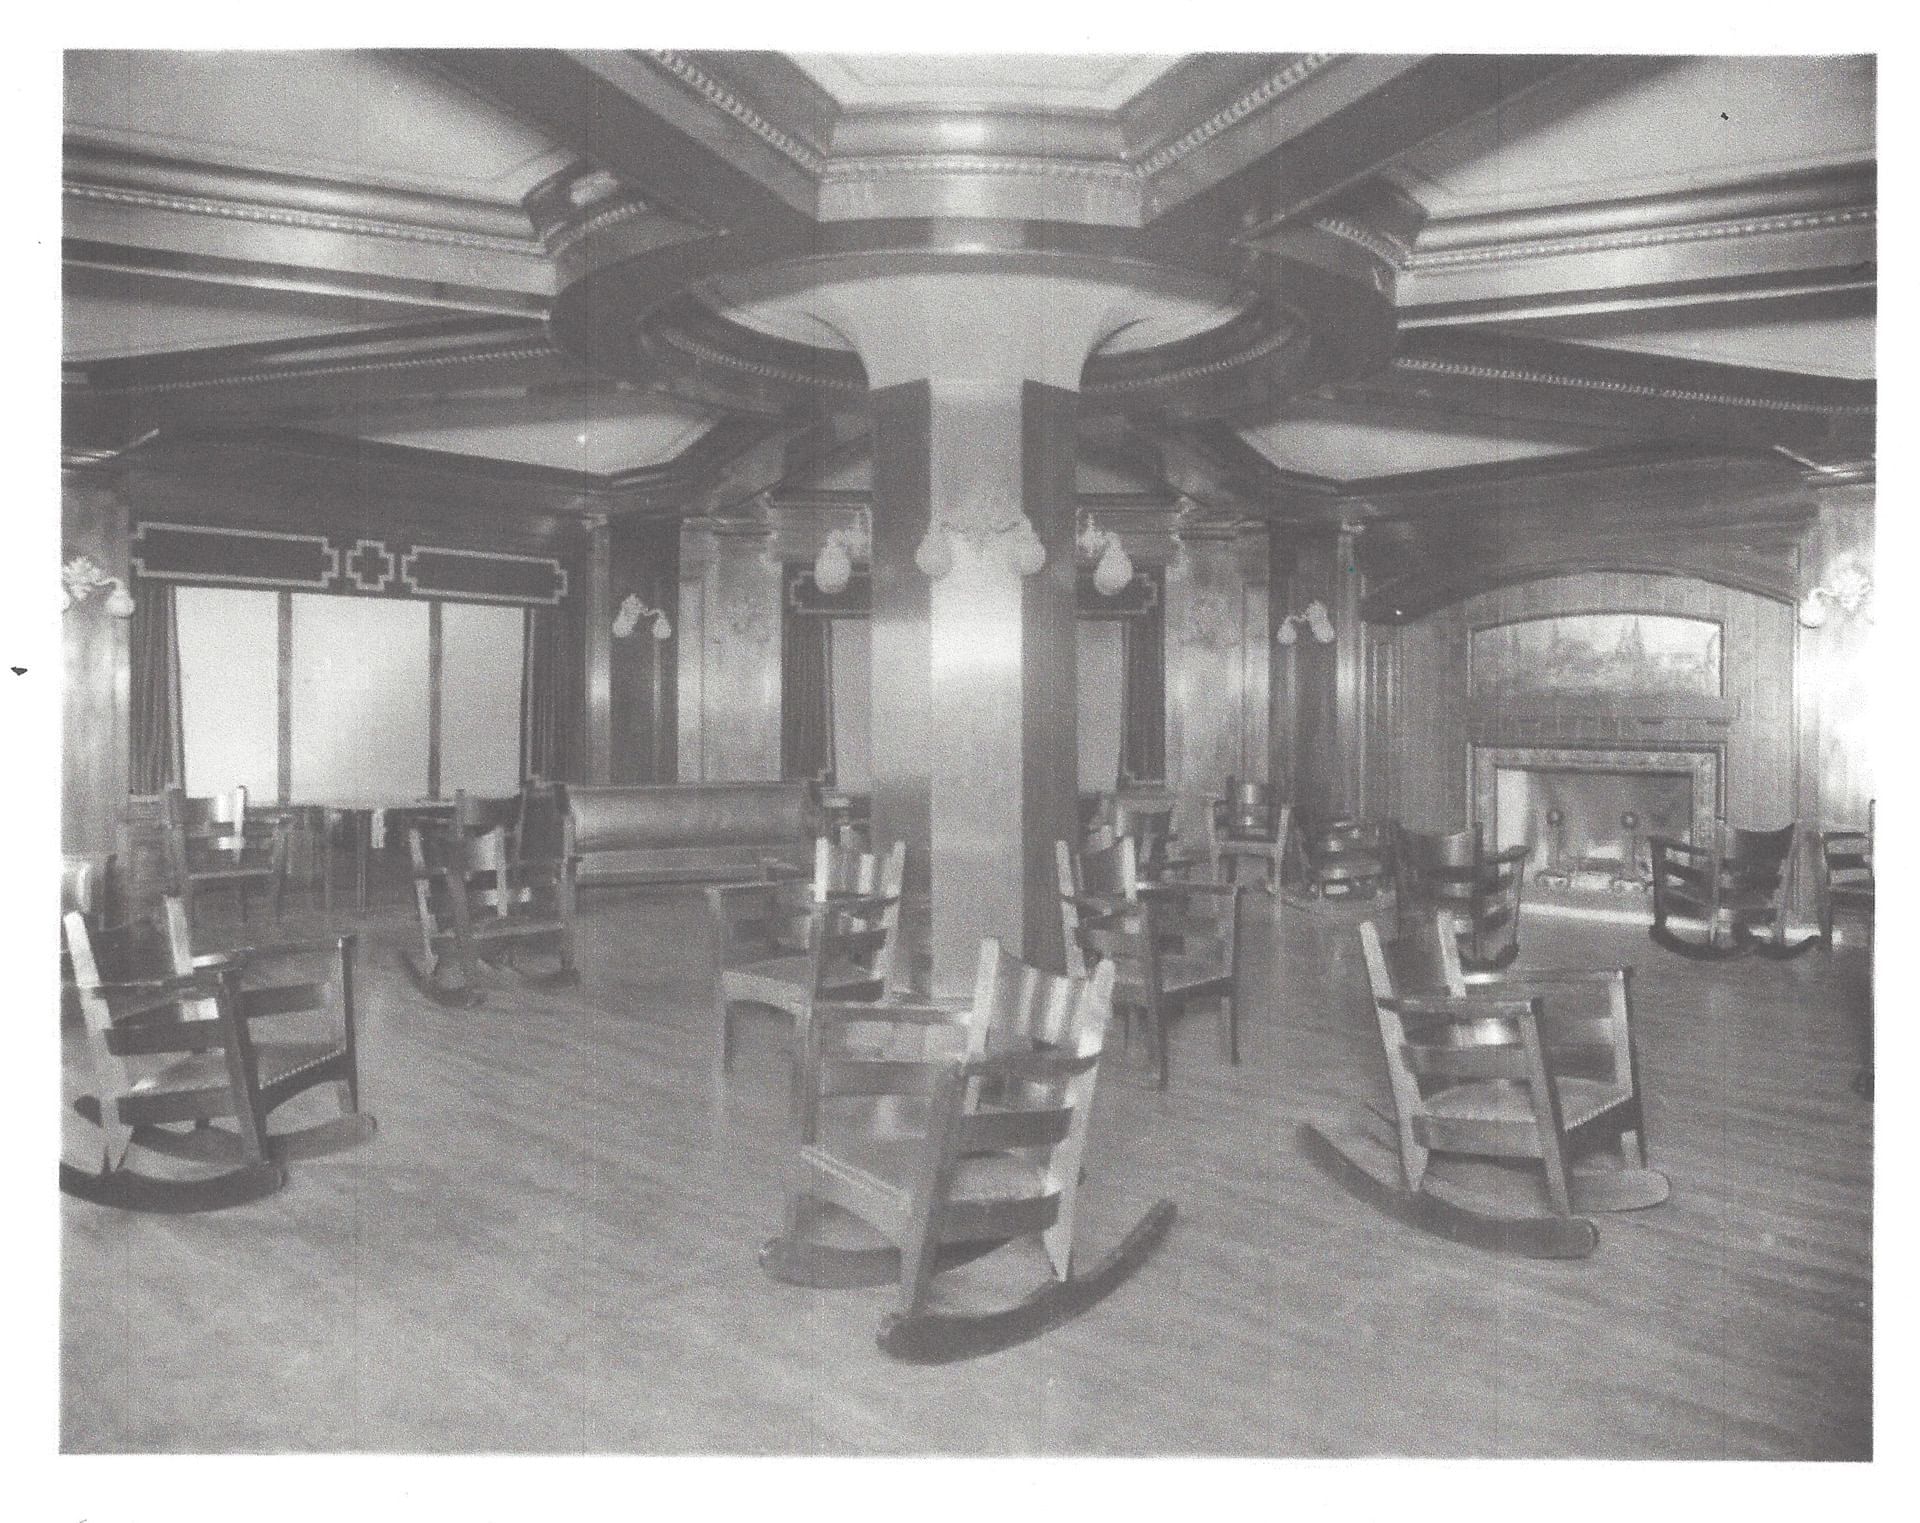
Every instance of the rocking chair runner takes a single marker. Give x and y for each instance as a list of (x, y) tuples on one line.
[(770, 952), (1000, 1158), (1171, 943), (1737, 885), (1479, 890), (479, 901), (1491, 1072), (202, 1020)]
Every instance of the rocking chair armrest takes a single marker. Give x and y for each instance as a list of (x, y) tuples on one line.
[(1466, 1005), (887, 1012), (346, 939), (1522, 978), (1686, 848)]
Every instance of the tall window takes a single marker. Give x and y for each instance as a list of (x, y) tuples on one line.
[(1099, 685), (374, 708)]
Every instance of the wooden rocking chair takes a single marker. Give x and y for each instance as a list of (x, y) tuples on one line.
[(1737, 886), (479, 901), (1171, 943), (1247, 825), (1479, 890), (1488, 1070), (1341, 858), (769, 952), (1000, 1158), (181, 1049), (209, 845)]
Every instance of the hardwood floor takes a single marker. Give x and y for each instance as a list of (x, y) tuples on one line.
[(549, 1246)]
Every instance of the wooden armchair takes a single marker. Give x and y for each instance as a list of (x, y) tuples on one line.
[(182, 1050), (773, 950), (1248, 825), (1341, 858), (1736, 886), (1479, 891), (1171, 943), (479, 901), (208, 845), (1000, 1158), (1537, 1066)]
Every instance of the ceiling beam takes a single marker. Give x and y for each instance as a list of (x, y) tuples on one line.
[(629, 113), (1412, 104)]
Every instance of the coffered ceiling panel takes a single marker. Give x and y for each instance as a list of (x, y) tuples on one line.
[(1842, 347), (356, 116), (1061, 82), (1622, 127), (596, 445), (1352, 451), (108, 314)]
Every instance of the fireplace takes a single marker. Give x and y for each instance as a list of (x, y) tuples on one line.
[(1585, 812)]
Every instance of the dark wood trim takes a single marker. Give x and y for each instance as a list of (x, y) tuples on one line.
[(435, 649), (284, 697)]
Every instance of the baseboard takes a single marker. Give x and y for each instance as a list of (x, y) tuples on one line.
[(1843, 936)]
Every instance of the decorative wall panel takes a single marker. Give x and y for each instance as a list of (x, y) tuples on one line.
[(234, 557)]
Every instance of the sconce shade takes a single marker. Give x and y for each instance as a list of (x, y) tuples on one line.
[(662, 627), (1319, 622), (935, 554), (1286, 634), (1813, 609), (1114, 571), (832, 567), (1026, 554), (120, 602)]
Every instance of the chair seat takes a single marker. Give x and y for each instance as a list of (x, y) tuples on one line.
[(494, 929), (891, 1161), (782, 982), (1581, 1100), (208, 1070), (1182, 975), (205, 874)]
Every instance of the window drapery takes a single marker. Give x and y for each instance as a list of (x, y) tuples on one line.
[(155, 753), (806, 696)]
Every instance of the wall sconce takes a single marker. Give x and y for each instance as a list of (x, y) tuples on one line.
[(1114, 568), (1318, 624), (81, 577), (632, 611), (1850, 591), (1019, 542)]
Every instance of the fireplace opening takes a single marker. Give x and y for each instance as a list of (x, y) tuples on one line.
[(1587, 829)]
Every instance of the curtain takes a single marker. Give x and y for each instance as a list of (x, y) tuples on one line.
[(1143, 698), (806, 696), (156, 755), (549, 695)]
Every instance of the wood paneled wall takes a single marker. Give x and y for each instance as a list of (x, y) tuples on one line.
[(645, 561), (729, 676), (1427, 729), (94, 694), (1218, 673)]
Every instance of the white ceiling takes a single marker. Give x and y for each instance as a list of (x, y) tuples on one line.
[(109, 313), (357, 116), (1626, 127), (1039, 81), (1840, 347), (1345, 451), (600, 446)]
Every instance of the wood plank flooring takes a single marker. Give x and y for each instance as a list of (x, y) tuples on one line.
[(549, 1247)]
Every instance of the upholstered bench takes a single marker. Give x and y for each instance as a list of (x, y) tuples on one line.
[(691, 832)]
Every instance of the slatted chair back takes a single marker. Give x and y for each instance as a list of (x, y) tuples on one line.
[(1442, 1047), (1251, 812), (206, 844), (1342, 858), (1092, 882), (1736, 883), (1480, 890)]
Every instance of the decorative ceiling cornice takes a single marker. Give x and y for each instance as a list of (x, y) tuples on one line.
[(806, 156), (940, 165), (298, 217), (267, 375), (1434, 365), (1638, 238), (1268, 90)]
